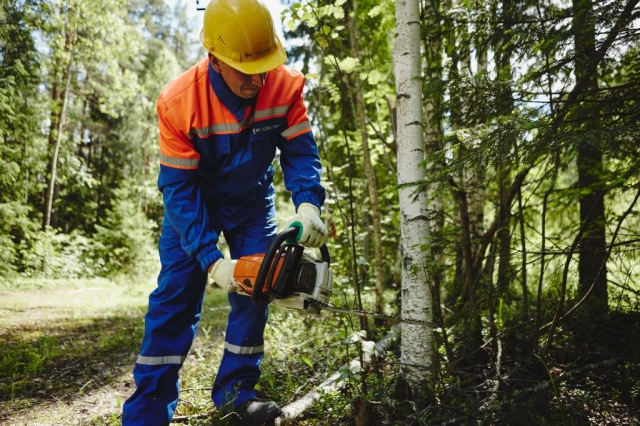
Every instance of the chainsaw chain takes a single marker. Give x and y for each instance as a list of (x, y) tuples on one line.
[(363, 313)]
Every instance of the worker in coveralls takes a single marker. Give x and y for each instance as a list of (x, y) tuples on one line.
[(221, 123)]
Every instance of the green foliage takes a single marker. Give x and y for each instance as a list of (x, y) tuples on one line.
[(123, 53), (23, 359), (334, 29), (55, 255), (124, 241), (14, 224), (123, 245), (20, 114)]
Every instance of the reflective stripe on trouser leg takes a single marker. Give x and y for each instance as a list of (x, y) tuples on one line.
[(170, 326), (240, 366), (240, 370)]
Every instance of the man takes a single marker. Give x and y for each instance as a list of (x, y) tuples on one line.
[(220, 125)]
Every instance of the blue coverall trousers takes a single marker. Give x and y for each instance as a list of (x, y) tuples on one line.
[(175, 307)]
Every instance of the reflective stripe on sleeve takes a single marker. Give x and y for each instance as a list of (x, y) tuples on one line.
[(271, 112), (298, 128), (179, 162), (243, 350), (160, 360)]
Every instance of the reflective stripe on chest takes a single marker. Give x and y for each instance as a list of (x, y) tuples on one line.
[(257, 117)]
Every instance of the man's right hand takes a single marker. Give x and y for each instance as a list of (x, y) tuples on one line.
[(222, 274)]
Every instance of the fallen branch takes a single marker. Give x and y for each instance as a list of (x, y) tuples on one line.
[(333, 383)]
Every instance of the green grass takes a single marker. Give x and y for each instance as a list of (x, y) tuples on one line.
[(68, 339), (75, 338), (75, 342), (294, 342)]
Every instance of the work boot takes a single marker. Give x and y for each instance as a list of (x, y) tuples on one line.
[(256, 413)]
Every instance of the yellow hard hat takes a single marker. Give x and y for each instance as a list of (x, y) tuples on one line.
[(240, 33)]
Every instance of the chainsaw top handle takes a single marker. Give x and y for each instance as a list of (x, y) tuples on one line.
[(268, 267)]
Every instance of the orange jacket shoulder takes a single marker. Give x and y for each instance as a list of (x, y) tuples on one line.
[(177, 106), (284, 85)]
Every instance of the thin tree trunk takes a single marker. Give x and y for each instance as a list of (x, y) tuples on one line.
[(56, 150), (454, 37), (592, 269), (26, 173), (368, 173), (417, 341), (543, 248), (505, 108), (523, 245)]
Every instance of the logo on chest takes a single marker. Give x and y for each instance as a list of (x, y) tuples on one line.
[(267, 128)]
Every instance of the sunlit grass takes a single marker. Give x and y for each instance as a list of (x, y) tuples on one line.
[(65, 339), (62, 341)]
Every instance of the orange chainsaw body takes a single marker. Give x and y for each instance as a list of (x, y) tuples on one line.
[(286, 276), (247, 269)]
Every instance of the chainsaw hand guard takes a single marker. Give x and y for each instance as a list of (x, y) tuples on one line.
[(283, 271), (278, 280)]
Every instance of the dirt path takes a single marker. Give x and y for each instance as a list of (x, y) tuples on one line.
[(66, 353), (71, 383), (101, 406)]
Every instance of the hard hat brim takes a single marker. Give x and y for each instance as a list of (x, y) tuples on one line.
[(257, 66)]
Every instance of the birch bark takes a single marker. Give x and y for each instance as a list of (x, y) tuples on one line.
[(417, 341)]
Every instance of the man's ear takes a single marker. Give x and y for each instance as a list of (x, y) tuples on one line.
[(214, 63)]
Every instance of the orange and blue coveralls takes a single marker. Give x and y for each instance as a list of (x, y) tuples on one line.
[(216, 176)]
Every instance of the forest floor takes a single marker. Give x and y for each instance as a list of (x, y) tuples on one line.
[(67, 350), (589, 376)]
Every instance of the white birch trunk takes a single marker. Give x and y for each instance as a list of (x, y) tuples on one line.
[(417, 341)]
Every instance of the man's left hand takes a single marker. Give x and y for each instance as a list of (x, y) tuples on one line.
[(312, 232)]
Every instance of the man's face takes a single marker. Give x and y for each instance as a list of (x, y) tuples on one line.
[(243, 85)]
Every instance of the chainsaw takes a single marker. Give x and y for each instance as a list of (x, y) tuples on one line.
[(287, 277)]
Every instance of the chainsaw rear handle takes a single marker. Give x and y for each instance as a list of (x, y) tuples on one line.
[(266, 271)]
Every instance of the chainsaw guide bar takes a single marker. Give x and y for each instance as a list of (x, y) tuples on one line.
[(367, 314)]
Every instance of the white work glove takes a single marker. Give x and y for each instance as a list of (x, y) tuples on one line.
[(312, 231), (222, 274)]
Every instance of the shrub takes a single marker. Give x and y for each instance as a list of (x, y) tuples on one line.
[(53, 254), (15, 223), (124, 242)]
